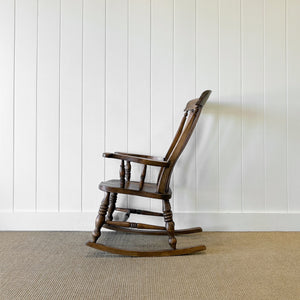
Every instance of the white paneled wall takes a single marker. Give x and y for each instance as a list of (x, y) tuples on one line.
[(80, 77)]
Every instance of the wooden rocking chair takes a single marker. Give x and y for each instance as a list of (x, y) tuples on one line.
[(159, 190)]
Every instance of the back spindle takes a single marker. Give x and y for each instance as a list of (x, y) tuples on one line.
[(128, 171), (122, 174), (143, 175)]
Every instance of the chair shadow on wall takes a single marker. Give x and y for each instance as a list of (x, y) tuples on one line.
[(232, 132)]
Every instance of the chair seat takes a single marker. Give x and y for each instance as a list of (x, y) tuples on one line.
[(132, 188)]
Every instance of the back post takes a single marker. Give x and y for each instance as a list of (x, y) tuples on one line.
[(187, 125)]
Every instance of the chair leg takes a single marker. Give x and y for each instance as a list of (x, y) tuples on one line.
[(112, 206), (168, 217), (100, 218)]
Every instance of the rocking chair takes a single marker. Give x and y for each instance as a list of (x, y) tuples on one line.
[(159, 190)]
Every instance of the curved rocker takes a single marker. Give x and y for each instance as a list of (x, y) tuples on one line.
[(146, 253), (159, 190)]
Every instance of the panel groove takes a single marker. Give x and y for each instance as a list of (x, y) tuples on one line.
[(195, 96), (105, 84), (287, 104), (219, 101), (127, 90), (59, 106), (14, 109), (82, 107), (36, 102), (242, 100), (264, 129), (173, 92), (150, 93)]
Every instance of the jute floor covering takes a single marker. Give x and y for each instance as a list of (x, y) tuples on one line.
[(236, 265)]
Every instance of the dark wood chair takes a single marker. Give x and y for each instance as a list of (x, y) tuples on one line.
[(159, 190)]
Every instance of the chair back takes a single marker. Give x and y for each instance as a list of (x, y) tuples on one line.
[(187, 125)]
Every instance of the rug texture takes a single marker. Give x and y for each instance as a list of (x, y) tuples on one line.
[(236, 265)]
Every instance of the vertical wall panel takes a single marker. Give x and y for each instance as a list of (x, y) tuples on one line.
[(293, 76), (275, 106), (161, 81), (230, 106), (93, 102), (116, 84), (253, 105), (184, 90), (139, 84), (70, 105), (207, 130), (6, 103), (25, 106), (48, 105)]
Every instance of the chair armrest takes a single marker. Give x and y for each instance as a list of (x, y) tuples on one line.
[(142, 156), (137, 159)]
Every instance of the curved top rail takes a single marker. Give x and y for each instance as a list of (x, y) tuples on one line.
[(199, 102)]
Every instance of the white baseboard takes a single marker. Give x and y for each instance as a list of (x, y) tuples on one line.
[(209, 221)]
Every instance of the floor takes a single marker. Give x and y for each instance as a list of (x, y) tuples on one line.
[(236, 265)]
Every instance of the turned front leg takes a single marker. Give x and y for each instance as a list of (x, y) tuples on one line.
[(100, 218), (112, 206), (168, 217)]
